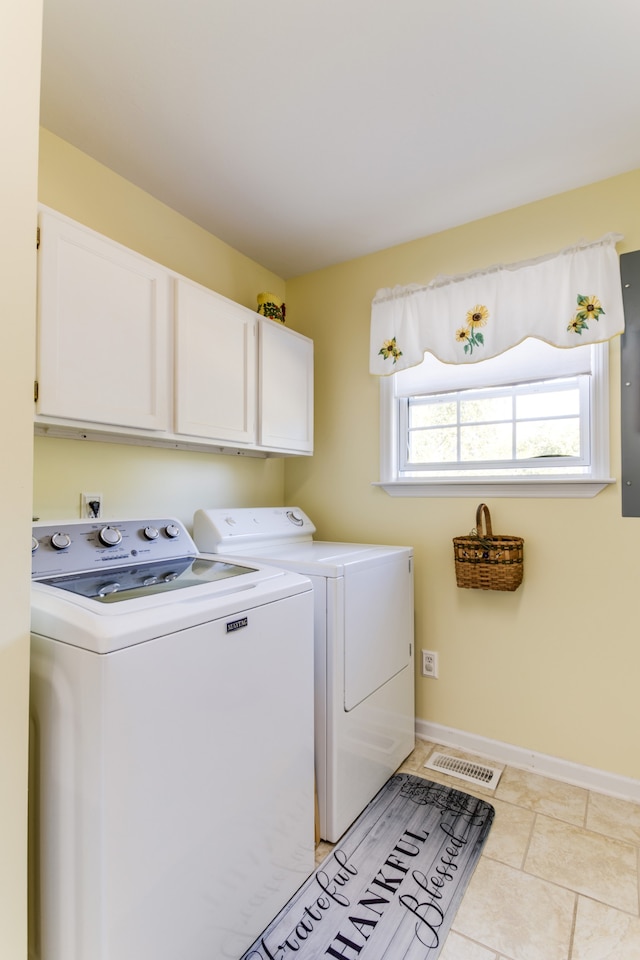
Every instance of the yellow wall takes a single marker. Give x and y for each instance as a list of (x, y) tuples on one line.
[(19, 105), (85, 190), (555, 666), (138, 481), (551, 668)]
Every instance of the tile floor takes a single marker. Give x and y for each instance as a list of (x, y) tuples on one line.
[(558, 876)]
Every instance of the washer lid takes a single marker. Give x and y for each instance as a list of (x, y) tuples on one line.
[(106, 627), (146, 579)]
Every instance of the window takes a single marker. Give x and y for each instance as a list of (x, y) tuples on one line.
[(530, 422), (523, 429)]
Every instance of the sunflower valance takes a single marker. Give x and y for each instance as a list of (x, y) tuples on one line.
[(566, 299)]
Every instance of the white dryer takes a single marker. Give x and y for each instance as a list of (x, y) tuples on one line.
[(364, 640), (171, 769)]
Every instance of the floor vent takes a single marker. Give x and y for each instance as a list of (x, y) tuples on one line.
[(478, 773)]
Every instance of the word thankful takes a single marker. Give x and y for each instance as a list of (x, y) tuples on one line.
[(416, 896)]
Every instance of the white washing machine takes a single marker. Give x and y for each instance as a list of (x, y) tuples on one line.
[(364, 637), (171, 800)]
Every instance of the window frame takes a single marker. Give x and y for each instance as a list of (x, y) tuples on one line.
[(578, 486)]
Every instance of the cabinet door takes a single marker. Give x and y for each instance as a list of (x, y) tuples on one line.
[(103, 330), (215, 366), (286, 388)]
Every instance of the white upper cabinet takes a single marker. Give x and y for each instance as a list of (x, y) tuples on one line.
[(285, 388), (129, 350), (103, 330), (215, 365)]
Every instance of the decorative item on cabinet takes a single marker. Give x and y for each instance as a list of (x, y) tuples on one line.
[(485, 561), (269, 305)]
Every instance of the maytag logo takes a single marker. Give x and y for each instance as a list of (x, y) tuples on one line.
[(236, 624)]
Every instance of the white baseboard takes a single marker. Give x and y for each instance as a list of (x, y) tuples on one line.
[(574, 773)]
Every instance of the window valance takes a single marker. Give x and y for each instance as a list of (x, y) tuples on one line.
[(566, 299)]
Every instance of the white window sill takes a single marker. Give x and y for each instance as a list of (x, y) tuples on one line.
[(529, 488)]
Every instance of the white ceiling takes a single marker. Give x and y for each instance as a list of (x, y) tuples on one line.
[(307, 132)]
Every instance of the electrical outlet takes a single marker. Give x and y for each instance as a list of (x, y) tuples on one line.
[(90, 506), (430, 664)]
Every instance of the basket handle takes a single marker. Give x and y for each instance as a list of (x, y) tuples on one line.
[(483, 512)]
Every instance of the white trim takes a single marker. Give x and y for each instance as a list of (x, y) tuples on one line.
[(600, 429), (589, 778), (541, 488)]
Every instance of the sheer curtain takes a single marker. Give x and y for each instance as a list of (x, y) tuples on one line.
[(566, 299)]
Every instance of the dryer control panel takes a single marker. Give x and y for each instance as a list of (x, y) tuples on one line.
[(250, 527), (74, 546)]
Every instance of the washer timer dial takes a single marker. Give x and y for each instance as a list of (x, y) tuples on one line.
[(110, 536), (60, 541)]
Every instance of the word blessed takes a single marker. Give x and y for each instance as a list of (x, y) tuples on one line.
[(395, 885)]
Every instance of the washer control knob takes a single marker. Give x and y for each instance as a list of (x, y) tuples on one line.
[(34, 544), (151, 533), (168, 577), (59, 541), (172, 531), (295, 518), (108, 588), (110, 536)]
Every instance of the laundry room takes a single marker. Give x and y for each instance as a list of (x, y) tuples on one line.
[(551, 630), (543, 676)]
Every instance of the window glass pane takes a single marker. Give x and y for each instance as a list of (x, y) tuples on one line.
[(482, 409), (491, 441), (548, 438), (433, 446), (556, 403), (432, 414)]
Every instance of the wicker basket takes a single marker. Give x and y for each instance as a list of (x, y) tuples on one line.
[(488, 562)]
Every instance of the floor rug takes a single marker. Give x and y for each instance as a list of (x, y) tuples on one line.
[(390, 888)]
